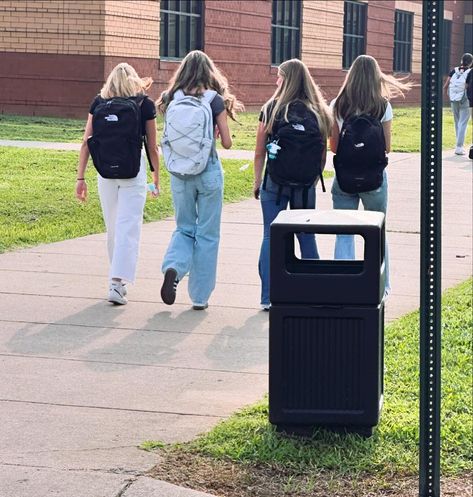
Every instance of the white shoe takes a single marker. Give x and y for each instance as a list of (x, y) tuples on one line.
[(117, 293), (459, 151), (265, 307)]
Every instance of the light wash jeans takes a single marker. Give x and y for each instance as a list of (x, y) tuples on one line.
[(270, 210), (194, 244), (461, 115), (122, 202), (375, 200)]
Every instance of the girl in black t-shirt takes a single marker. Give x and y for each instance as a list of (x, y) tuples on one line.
[(297, 100), (122, 200)]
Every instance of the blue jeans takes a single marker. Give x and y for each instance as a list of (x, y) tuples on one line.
[(194, 244), (375, 200), (270, 210), (461, 115)]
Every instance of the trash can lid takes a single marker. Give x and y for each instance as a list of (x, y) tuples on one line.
[(335, 217)]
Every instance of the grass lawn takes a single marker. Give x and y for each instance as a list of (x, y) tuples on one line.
[(244, 456), (38, 203), (406, 129)]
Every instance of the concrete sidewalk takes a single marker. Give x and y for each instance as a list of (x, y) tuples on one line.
[(85, 383)]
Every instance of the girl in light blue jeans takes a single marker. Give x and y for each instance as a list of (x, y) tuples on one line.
[(198, 198), (366, 90)]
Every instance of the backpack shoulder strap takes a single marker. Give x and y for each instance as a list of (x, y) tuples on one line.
[(178, 95), (209, 95)]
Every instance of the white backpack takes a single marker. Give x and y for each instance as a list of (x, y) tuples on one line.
[(457, 85), (188, 133)]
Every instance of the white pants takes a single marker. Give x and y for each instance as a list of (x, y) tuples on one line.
[(123, 201)]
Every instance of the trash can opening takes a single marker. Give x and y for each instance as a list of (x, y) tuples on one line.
[(321, 254)]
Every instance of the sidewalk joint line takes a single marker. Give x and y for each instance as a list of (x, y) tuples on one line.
[(105, 408), (159, 366)]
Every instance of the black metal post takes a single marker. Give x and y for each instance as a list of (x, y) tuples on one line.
[(430, 256)]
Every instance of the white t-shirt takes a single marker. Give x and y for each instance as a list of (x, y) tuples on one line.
[(388, 115)]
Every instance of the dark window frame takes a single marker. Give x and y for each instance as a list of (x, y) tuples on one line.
[(188, 27), (286, 22), (447, 43), (403, 38), (468, 37), (355, 19)]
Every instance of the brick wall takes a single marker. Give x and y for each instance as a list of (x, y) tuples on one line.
[(132, 28), (86, 27), (64, 49), (238, 39), (322, 34), (55, 27)]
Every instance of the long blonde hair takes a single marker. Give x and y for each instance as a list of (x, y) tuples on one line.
[(297, 85), (124, 81), (367, 89), (197, 73)]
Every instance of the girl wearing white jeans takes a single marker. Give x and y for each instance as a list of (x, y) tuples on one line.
[(122, 200)]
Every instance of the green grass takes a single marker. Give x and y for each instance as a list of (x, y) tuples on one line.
[(36, 128), (406, 129), (38, 203), (248, 439)]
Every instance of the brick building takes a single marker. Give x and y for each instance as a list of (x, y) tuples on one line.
[(55, 54)]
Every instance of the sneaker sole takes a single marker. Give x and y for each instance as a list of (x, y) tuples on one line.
[(168, 293), (200, 307), (117, 299)]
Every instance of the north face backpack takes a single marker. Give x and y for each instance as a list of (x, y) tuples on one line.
[(295, 153), (116, 141), (361, 155), (457, 85), (188, 135)]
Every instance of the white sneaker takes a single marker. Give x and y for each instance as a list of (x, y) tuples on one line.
[(459, 151), (265, 307), (117, 293)]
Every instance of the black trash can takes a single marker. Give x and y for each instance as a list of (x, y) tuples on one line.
[(326, 326)]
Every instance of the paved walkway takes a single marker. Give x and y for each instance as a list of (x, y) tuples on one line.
[(84, 383)]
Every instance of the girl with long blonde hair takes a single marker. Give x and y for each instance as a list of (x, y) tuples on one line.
[(366, 90), (299, 102), (122, 200), (198, 198)]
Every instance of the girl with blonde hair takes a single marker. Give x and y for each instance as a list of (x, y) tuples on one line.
[(197, 198), (366, 90), (296, 104), (122, 200)]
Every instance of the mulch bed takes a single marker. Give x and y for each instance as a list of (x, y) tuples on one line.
[(228, 479)]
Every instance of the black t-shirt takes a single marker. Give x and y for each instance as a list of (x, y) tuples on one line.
[(148, 111), (469, 87)]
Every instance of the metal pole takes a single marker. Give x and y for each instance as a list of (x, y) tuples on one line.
[(430, 256)]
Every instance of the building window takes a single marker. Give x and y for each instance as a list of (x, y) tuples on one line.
[(468, 48), (181, 28), (354, 31), (403, 41), (447, 40), (285, 30)]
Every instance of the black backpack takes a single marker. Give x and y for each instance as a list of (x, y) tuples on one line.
[(295, 152), (117, 140), (361, 154)]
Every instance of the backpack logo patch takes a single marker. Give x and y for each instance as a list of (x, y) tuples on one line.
[(111, 118)]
